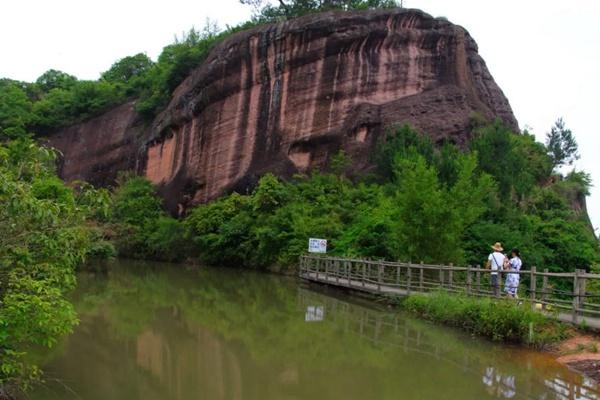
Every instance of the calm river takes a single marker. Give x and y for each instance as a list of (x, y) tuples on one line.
[(158, 331)]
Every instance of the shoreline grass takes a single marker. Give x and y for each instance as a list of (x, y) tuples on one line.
[(502, 320)]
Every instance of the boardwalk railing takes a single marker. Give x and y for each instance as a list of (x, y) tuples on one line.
[(564, 292)]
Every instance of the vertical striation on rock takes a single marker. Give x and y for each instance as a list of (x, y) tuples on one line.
[(285, 97), (97, 149)]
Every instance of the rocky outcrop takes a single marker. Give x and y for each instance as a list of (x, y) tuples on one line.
[(97, 149), (285, 97)]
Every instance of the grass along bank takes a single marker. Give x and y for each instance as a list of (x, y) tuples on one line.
[(499, 320)]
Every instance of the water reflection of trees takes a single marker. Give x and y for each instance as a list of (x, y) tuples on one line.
[(172, 334)]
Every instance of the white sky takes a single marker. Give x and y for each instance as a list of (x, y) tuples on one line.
[(544, 54)]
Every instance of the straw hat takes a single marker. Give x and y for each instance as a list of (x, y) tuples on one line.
[(497, 246)]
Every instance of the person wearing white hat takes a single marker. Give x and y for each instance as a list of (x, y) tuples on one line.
[(496, 261)]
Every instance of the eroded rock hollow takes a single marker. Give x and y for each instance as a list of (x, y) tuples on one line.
[(284, 98)]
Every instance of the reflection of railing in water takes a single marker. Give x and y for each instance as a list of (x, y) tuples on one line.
[(394, 278), (388, 329)]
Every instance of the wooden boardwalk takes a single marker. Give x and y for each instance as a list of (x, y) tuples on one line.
[(560, 295)]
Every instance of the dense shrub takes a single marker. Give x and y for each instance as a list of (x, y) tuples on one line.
[(140, 226), (432, 204)]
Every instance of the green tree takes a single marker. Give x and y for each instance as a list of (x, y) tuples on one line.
[(401, 141), (340, 163), (174, 64), (264, 11), (430, 220), (561, 145), (15, 111), (43, 238), (135, 201), (61, 107), (131, 73), (142, 227), (54, 79), (128, 68)]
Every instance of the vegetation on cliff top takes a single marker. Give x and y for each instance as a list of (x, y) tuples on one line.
[(57, 99), (266, 12)]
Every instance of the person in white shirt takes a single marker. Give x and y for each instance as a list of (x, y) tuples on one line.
[(512, 279), (496, 261)]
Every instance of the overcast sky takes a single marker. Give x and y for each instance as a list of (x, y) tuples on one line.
[(545, 55)]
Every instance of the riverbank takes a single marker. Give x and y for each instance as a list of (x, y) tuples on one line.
[(581, 353), (499, 320), (507, 321)]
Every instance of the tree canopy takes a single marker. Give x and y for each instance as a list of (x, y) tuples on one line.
[(265, 11), (561, 144)]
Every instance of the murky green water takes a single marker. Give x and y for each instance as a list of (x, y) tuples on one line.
[(152, 331)]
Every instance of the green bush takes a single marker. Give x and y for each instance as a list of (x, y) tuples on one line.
[(100, 247), (499, 320), (43, 237), (140, 226)]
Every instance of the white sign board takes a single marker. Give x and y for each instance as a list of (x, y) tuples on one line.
[(317, 245), (314, 313)]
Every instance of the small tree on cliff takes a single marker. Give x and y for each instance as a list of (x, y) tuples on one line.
[(561, 144)]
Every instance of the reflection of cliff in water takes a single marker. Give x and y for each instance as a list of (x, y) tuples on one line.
[(215, 367), (157, 364), (222, 334)]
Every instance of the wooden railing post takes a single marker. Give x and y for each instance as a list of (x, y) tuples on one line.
[(575, 295), (478, 278), (317, 267), (469, 279), (421, 278), (532, 286), (582, 289), (379, 277), (408, 278), (442, 276), (545, 288), (398, 275), (450, 276), (348, 271), (364, 274), (327, 270), (498, 287)]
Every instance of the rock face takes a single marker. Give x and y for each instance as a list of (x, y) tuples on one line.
[(96, 150), (284, 98)]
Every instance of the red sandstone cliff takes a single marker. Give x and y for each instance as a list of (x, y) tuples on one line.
[(96, 150), (285, 97)]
